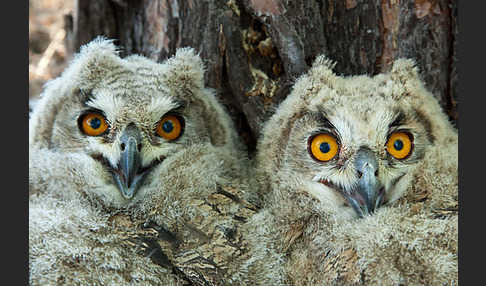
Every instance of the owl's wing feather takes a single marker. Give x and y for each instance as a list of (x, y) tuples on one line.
[(73, 242), (412, 241)]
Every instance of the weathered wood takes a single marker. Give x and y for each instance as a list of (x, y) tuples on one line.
[(202, 251), (254, 50)]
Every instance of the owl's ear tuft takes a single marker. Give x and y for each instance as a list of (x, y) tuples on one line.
[(404, 70), (409, 87), (99, 47), (323, 62), (322, 70), (94, 60), (405, 76), (185, 69), (319, 75)]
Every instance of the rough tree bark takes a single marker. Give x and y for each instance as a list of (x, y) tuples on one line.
[(255, 49)]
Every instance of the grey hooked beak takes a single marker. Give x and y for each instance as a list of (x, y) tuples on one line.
[(128, 176), (369, 192)]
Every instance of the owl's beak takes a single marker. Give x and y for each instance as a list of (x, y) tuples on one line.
[(369, 192), (128, 176)]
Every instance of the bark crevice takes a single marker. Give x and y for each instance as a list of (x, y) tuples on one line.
[(254, 50)]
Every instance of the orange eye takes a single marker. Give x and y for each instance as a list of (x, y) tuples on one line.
[(92, 124), (399, 145), (170, 127), (323, 147)]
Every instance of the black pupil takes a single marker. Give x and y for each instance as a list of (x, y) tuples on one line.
[(324, 147), (398, 145), (95, 123), (167, 126)]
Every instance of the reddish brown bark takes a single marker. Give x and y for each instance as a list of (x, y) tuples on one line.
[(254, 50)]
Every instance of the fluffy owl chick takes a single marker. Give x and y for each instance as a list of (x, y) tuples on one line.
[(125, 155), (359, 180)]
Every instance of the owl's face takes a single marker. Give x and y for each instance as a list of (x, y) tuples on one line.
[(352, 142), (128, 131), (130, 116)]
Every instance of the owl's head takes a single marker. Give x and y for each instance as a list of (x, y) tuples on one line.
[(128, 115), (351, 142)]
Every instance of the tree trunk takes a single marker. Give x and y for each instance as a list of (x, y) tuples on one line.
[(255, 49)]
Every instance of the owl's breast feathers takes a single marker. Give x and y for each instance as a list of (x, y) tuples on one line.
[(203, 250)]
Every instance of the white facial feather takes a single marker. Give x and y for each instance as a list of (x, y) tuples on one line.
[(307, 219), (78, 173)]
